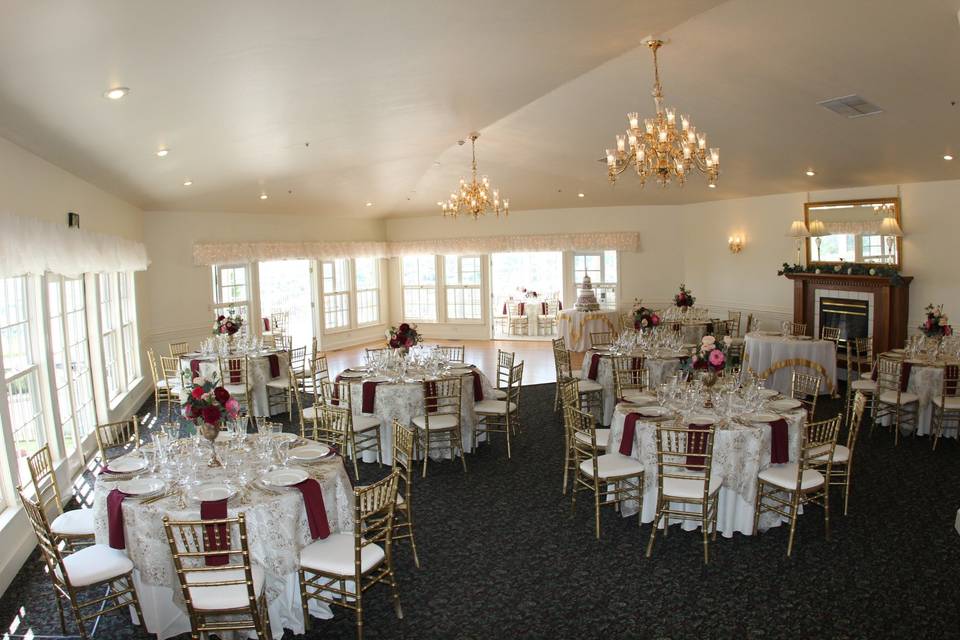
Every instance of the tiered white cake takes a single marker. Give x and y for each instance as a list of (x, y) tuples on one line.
[(587, 300)]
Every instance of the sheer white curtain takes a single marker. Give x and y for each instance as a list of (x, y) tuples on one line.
[(34, 246)]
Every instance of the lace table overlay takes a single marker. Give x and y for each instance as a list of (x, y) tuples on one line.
[(576, 326), (660, 370)]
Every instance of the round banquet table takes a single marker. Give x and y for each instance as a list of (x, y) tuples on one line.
[(692, 331), (925, 380), (576, 326), (403, 401), (277, 530), (764, 351), (660, 368), (260, 374), (740, 453)]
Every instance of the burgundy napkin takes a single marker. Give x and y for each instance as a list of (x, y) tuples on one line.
[(369, 396), (905, 375), (950, 374), (559, 305), (216, 538), (115, 518), (543, 308), (594, 366), (873, 373), (266, 324), (316, 511), (274, 365), (335, 393), (629, 429), (523, 306), (504, 308), (430, 389), (779, 442), (477, 387), (194, 369), (696, 443)]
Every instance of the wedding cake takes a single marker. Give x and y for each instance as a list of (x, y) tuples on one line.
[(587, 300)]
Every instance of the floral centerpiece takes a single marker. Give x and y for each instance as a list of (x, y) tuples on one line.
[(935, 326), (684, 297), (227, 324), (644, 318), (403, 337), (529, 293), (209, 405), (711, 357)]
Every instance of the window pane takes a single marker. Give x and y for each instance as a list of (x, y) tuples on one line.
[(470, 270), (285, 287), (14, 328), (25, 418), (366, 273), (609, 267), (451, 269)]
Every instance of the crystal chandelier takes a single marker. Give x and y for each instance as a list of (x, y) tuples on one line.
[(476, 197), (658, 147)]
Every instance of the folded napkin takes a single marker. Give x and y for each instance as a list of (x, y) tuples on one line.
[(594, 366), (316, 511), (335, 391), (477, 387), (779, 442), (696, 443), (629, 433), (274, 360), (115, 518), (504, 308), (194, 369), (369, 396), (522, 309), (430, 391), (216, 537), (266, 324)]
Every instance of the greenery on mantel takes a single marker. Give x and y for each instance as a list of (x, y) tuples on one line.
[(850, 269)]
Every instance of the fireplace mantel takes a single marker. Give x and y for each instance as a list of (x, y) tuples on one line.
[(891, 302)]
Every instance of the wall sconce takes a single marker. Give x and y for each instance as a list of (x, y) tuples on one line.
[(736, 244)]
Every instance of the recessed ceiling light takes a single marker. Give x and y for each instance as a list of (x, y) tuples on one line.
[(712, 185), (947, 156), (369, 204), (187, 183), (810, 172), (115, 93), (263, 196), (580, 195), (162, 153)]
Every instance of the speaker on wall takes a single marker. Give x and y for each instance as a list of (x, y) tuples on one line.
[(73, 219)]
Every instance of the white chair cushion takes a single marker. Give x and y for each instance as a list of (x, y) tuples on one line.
[(577, 374), (497, 394), (864, 384), (841, 453), (952, 402), (785, 477), (603, 438), (611, 465), (236, 389), (231, 596), (78, 522), (365, 423), (498, 407), (586, 385), (890, 397), (440, 421), (94, 564), (169, 384), (689, 488), (334, 555), (309, 413), (279, 383)]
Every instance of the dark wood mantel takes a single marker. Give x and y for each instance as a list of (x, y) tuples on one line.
[(890, 303)]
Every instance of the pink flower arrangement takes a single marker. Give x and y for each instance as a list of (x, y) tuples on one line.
[(211, 403), (403, 337), (711, 355), (936, 324), (227, 324), (684, 297), (644, 318)]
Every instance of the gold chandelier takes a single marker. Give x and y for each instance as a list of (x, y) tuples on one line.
[(475, 197), (658, 147)]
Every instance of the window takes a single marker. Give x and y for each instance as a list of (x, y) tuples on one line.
[(367, 282), (118, 332), (335, 279), (462, 280), (231, 291), (419, 278), (20, 372), (110, 336), (128, 327), (286, 286), (601, 266)]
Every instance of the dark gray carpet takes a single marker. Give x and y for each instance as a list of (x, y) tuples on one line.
[(502, 556)]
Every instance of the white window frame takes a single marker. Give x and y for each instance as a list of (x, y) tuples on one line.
[(362, 294), (243, 306), (604, 282), (129, 338), (420, 288), (337, 301), (457, 288)]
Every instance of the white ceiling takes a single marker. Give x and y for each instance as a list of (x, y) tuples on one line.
[(383, 90)]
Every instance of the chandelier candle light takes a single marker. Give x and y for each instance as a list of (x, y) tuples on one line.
[(476, 197), (661, 146)]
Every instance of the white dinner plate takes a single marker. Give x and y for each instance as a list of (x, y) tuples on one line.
[(286, 437), (310, 452), (761, 416), (641, 398), (702, 420), (141, 487), (460, 371), (127, 464), (768, 393), (653, 411), (284, 477), (211, 491), (787, 404), (353, 374)]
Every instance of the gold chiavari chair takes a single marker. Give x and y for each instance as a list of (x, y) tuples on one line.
[(625, 322), (804, 482), (591, 391), (279, 322), (383, 350), (161, 393), (832, 334), (342, 567), (613, 478), (363, 431), (319, 371), (570, 397), (178, 349), (279, 341), (91, 568), (601, 339), (734, 317), (548, 321), (122, 434), (860, 361), (735, 353), (403, 463), (842, 469), (330, 426), (283, 384), (235, 377), (299, 411), (630, 378), (172, 380), (796, 329), (685, 477), (892, 400), (946, 405), (228, 596), (450, 353), (805, 388), (74, 527), (504, 366), (439, 426), (500, 416), (749, 325), (517, 323)]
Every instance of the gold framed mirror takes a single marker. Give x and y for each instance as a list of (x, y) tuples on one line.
[(854, 232)]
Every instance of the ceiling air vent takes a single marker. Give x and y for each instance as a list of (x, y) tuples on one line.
[(851, 106)]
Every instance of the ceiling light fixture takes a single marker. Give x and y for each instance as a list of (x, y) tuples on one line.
[(810, 172), (263, 196), (187, 183), (162, 153), (115, 93), (657, 148), (475, 197), (947, 156), (369, 204), (712, 185), (581, 195)]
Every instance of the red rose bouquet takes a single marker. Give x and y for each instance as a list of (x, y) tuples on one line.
[(227, 324), (644, 318), (210, 403), (403, 337), (711, 355), (684, 297), (935, 326)]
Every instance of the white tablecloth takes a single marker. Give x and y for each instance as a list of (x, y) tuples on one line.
[(277, 530), (259, 376), (576, 326), (740, 454), (660, 371), (764, 352), (926, 380)]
